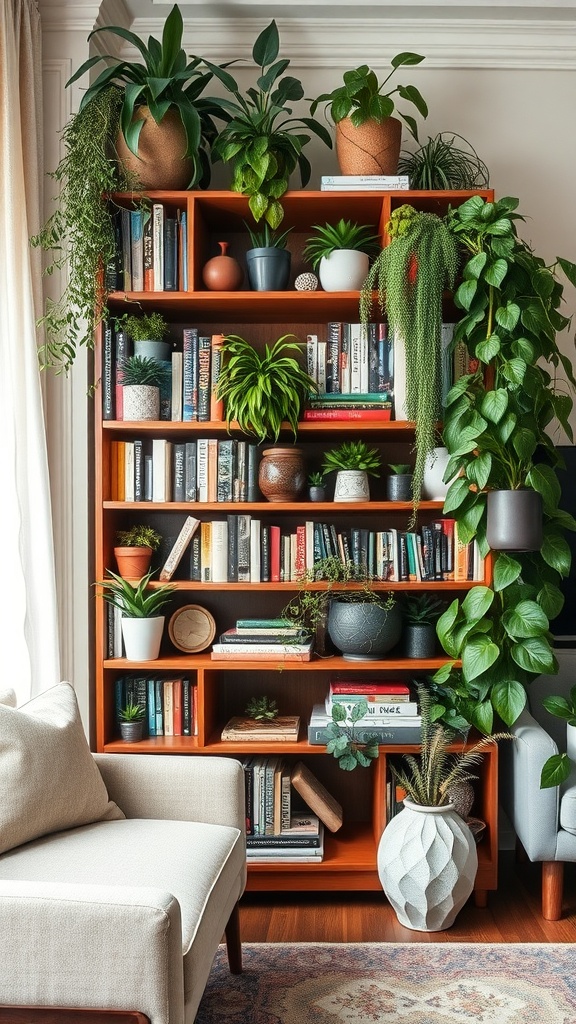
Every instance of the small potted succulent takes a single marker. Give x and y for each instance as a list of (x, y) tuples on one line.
[(134, 550), (353, 461), (399, 483), (421, 613), (341, 254), (142, 626), (316, 488), (142, 379), (262, 709), (147, 332), (268, 260), (131, 719)]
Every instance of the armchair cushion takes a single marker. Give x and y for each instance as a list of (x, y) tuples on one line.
[(49, 778)]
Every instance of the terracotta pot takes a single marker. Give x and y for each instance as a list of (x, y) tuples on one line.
[(160, 163), (282, 474), (133, 562), (222, 273), (372, 148)]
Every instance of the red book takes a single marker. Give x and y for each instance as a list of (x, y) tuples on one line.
[(275, 545), (177, 707), (347, 414), (216, 404), (361, 687)]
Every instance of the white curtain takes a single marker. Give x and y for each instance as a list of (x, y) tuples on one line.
[(28, 616)]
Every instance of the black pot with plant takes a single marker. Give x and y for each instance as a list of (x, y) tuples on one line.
[(341, 254), (132, 720), (261, 140), (399, 482), (268, 260), (316, 488), (421, 613), (446, 161)]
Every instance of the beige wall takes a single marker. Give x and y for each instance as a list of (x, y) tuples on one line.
[(505, 78)]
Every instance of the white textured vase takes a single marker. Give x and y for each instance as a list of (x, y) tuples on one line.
[(142, 637), (433, 486), (427, 862), (352, 485), (140, 402), (344, 270)]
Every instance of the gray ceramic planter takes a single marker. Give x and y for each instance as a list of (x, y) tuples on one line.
[(514, 520), (419, 640), (268, 269), (399, 487), (362, 631)]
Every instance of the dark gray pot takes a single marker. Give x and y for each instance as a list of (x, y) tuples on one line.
[(363, 632), (514, 520), (268, 269), (132, 732), (317, 493), (419, 640), (399, 487)]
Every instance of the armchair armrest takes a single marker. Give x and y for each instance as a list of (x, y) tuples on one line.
[(53, 933), (178, 787), (533, 811)]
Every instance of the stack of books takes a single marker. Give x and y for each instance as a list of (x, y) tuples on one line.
[(391, 713), (263, 640), (364, 183), (240, 728)]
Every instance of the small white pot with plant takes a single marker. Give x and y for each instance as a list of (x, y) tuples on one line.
[(142, 626), (142, 380), (353, 462), (340, 253)]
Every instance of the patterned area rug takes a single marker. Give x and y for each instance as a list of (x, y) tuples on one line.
[(394, 983)]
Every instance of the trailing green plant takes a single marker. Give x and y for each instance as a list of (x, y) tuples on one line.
[(352, 455), (261, 391), (410, 275), (132, 713), (343, 743), (362, 98), (164, 80), (343, 235), (422, 609), (267, 238), (144, 370), (79, 234), (429, 775), (444, 163), (139, 536), (262, 709), (261, 140), (496, 429), (400, 468), (148, 327), (135, 600)]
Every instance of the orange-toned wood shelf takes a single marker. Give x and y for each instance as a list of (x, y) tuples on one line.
[(223, 687)]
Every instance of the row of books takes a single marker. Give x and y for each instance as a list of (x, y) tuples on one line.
[(202, 470), (170, 703), (353, 359), (151, 250)]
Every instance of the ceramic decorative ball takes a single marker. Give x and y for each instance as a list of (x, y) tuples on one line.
[(306, 283)]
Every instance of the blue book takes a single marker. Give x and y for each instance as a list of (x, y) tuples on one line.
[(151, 705), (137, 250), (159, 703), (190, 374)]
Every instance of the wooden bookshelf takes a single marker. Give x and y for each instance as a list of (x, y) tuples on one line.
[(223, 687)]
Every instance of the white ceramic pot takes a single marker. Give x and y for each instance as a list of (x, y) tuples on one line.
[(427, 862), (140, 402), (352, 485), (142, 637), (344, 270), (433, 486)]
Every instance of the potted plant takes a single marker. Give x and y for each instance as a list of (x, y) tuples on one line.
[(147, 333), (410, 274), (268, 260), (429, 876), (131, 718), (368, 137), (421, 613), (399, 482), (498, 438), (142, 626), (134, 549), (341, 254), (142, 380), (444, 163), (261, 140), (353, 462), (316, 488), (262, 709)]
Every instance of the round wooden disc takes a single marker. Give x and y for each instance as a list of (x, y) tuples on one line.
[(192, 628)]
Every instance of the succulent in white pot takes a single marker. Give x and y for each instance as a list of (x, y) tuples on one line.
[(341, 254), (142, 626)]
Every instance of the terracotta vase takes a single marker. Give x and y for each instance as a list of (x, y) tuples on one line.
[(160, 163), (133, 562), (372, 148), (282, 474), (222, 273)]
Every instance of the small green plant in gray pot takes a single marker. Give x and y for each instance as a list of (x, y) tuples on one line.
[(399, 483), (421, 613), (147, 333), (131, 719), (268, 261), (142, 380), (316, 487)]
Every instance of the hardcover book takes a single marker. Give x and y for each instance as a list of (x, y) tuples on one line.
[(171, 564), (285, 728), (319, 800)]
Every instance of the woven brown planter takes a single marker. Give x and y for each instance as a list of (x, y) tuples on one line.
[(372, 148), (160, 163)]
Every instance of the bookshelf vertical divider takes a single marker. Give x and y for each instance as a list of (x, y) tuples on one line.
[(222, 688)]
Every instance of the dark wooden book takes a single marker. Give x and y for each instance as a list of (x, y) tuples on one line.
[(317, 797)]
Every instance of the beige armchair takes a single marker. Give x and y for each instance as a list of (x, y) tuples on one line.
[(119, 875)]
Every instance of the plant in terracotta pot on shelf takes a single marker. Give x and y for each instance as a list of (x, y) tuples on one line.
[(142, 378), (134, 549), (341, 254), (353, 462), (368, 137), (142, 626), (268, 260), (262, 391)]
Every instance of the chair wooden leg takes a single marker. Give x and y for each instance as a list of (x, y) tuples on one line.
[(552, 885), (481, 898), (233, 943)]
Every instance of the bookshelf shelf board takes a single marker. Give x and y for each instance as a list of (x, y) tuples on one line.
[(273, 508), (389, 429), (336, 663), (155, 745), (244, 306), (293, 586)]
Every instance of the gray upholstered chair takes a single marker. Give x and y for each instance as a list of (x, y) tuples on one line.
[(119, 875), (544, 819)]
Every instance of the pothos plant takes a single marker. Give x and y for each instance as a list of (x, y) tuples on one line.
[(343, 743), (497, 430)]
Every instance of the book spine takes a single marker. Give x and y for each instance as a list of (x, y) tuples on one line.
[(189, 528), (206, 552), (333, 349), (345, 359), (137, 250), (151, 706), (158, 246), (244, 548), (159, 703), (170, 255), (212, 469), (195, 559), (265, 553), (123, 349), (225, 483), (186, 708), (190, 374), (190, 471), (348, 414), (179, 457), (202, 468), (384, 734), (219, 552), (216, 404), (177, 706), (126, 250), (176, 396), (282, 842), (148, 256), (108, 385), (365, 179), (232, 549), (204, 349), (255, 550), (252, 460)]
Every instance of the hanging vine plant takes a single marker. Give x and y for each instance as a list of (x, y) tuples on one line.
[(410, 275)]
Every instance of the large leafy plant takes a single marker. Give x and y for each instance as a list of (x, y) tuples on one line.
[(497, 429), (261, 140)]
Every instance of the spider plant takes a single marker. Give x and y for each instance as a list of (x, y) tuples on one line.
[(135, 600), (353, 455), (441, 163)]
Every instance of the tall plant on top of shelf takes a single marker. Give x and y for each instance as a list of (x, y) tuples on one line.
[(497, 430)]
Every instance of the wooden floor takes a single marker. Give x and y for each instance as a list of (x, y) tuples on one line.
[(512, 915)]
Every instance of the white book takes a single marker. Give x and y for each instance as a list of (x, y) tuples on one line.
[(364, 361), (202, 468), (128, 471), (158, 246), (364, 179), (178, 548), (322, 366), (356, 359), (312, 356), (309, 545), (118, 641), (161, 469), (364, 188), (219, 552), (255, 551), (177, 370), (404, 710)]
